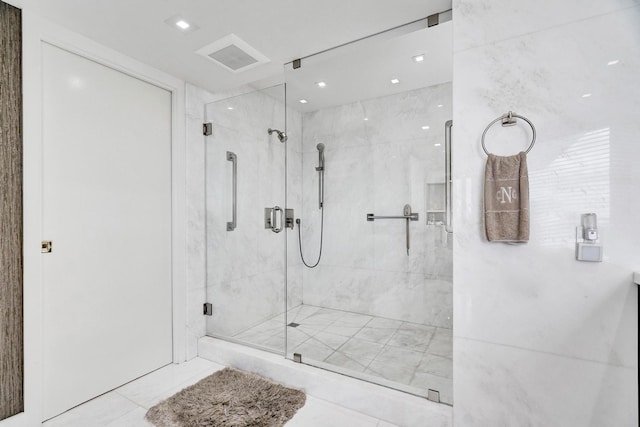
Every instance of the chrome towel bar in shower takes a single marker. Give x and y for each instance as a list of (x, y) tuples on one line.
[(509, 119), (406, 215), (411, 217)]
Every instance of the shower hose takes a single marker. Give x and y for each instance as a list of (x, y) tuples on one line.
[(321, 234)]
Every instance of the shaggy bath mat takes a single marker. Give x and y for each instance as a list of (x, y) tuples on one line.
[(229, 398)]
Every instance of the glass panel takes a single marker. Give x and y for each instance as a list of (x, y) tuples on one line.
[(374, 307), (246, 266)]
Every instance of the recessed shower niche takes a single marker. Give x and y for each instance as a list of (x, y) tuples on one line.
[(360, 303)]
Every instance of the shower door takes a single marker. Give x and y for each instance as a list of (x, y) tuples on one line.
[(378, 305), (245, 201)]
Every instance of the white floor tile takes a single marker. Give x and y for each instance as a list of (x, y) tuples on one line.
[(359, 342), (158, 385), (319, 413), (95, 413), (127, 406), (134, 418)]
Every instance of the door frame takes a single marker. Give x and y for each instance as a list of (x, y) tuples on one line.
[(37, 31)]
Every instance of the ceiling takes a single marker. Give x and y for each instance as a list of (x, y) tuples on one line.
[(364, 70), (282, 30)]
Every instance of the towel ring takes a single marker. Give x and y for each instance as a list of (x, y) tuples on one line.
[(509, 119)]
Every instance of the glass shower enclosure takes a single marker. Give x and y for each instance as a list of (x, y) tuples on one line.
[(341, 255)]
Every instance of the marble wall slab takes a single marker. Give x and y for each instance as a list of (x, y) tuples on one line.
[(534, 327), (380, 154)]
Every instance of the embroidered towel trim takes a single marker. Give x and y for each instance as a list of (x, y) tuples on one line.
[(506, 198)]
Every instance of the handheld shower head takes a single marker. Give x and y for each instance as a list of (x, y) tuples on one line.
[(320, 148), (281, 135)]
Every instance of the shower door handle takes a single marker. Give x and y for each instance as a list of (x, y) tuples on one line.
[(234, 190), (448, 226), (271, 217)]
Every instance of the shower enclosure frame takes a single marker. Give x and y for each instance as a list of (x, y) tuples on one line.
[(290, 134)]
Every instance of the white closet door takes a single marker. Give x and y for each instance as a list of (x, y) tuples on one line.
[(107, 211)]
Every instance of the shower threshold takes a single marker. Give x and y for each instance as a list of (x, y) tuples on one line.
[(380, 402)]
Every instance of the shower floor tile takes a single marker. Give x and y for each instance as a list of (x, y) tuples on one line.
[(406, 353)]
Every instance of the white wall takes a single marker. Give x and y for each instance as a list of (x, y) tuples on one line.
[(539, 338), (377, 166)]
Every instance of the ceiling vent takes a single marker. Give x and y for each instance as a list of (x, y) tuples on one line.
[(233, 53)]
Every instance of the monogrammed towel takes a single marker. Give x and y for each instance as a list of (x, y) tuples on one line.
[(506, 199)]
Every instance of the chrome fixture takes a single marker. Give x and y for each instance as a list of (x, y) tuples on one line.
[(448, 225), (406, 215), (281, 135), (507, 120), (234, 190), (271, 217), (320, 170)]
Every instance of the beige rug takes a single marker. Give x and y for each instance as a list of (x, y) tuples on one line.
[(229, 398)]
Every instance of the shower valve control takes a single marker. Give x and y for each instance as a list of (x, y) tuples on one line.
[(289, 218)]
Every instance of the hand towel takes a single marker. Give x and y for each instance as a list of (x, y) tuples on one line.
[(506, 198)]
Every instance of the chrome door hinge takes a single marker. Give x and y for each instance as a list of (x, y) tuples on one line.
[(207, 129), (46, 246), (207, 309)]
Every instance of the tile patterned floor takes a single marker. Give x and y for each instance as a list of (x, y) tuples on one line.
[(127, 405), (415, 355)]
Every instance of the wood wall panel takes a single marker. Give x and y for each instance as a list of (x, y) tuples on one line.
[(11, 317)]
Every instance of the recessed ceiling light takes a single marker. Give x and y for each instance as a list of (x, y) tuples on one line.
[(586, 95), (366, 119), (437, 145), (440, 105), (181, 24), (303, 101), (614, 62), (425, 127), (229, 108), (418, 58), (395, 81), (321, 84)]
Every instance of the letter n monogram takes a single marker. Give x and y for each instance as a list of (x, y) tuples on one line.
[(505, 195)]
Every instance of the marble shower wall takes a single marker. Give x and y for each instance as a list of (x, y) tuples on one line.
[(378, 158), (541, 339)]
